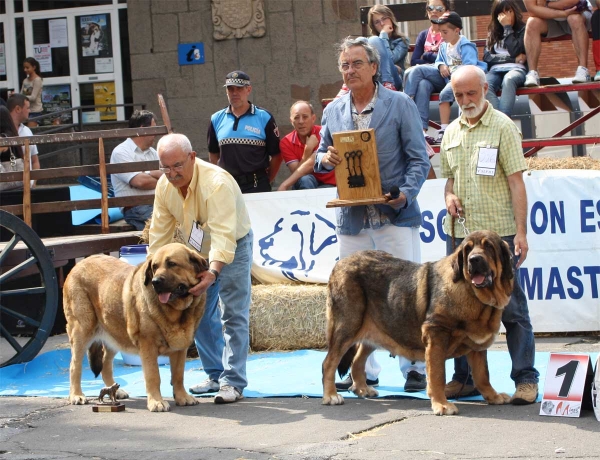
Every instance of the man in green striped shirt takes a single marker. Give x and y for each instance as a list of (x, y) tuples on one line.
[(482, 157)]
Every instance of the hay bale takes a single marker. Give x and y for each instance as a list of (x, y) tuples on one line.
[(287, 317), (535, 163)]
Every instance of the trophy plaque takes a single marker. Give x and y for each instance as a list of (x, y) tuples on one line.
[(357, 176)]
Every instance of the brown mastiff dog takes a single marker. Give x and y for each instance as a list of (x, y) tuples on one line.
[(431, 312), (111, 305)]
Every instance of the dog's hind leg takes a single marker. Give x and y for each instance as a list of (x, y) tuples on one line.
[(182, 398), (359, 377), (107, 371), (481, 378)]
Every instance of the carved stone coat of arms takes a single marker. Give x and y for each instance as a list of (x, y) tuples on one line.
[(238, 19)]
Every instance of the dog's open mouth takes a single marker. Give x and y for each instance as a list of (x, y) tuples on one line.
[(179, 292), (482, 281)]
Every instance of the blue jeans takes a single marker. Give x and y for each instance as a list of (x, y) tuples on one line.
[(421, 82), (138, 215), (223, 335), (387, 68), (519, 333), (309, 182), (508, 82)]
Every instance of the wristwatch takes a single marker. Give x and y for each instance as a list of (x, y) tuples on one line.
[(214, 272)]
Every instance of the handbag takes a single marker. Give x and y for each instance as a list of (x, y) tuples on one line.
[(13, 165)]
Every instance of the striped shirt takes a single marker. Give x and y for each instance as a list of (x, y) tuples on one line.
[(486, 200)]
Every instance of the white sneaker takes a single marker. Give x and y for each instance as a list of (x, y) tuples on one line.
[(532, 79), (208, 386), (582, 75), (228, 394)]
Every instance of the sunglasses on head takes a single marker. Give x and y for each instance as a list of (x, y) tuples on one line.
[(439, 9)]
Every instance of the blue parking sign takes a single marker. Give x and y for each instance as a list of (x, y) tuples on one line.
[(190, 53)]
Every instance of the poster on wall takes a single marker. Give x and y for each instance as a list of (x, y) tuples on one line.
[(58, 33), (43, 54), (94, 34), (2, 60), (104, 93), (54, 99)]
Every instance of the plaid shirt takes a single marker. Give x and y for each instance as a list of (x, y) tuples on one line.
[(486, 200)]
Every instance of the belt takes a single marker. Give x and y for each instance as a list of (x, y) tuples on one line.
[(251, 178), (127, 208)]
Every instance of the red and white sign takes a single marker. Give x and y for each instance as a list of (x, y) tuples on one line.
[(564, 385)]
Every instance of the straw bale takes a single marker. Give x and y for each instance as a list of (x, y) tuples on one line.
[(535, 163), (287, 317)]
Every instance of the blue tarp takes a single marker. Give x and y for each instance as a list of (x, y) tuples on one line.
[(290, 374)]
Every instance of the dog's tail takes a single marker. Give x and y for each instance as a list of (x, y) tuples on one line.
[(95, 354), (346, 361)]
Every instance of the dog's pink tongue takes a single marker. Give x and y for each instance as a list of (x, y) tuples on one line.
[(477, 279), (164, 297)]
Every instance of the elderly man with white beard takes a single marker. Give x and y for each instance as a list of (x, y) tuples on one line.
[(482, 157)]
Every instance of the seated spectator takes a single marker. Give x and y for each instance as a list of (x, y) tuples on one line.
[(456, 50), (596, 39), (18, 105), (553, 18), (429, 40), (391, 45), (137, 183), (505, 55), (297, 150)]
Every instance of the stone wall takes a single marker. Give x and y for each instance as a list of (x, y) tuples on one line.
[(294, 60)]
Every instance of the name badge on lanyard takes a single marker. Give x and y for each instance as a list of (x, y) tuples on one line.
[(196, 236), (486, 161)]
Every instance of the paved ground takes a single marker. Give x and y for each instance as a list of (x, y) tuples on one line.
[(296, 428)]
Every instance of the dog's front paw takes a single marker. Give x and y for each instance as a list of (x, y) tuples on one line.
[(332, 400), (498, 398), (444, 409), (77, 399), (158, 405), (186, 400), (121, 394), (365, 392)]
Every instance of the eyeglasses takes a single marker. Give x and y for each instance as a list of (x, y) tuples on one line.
[(177, 167), (439, 9), (356, 65), (380, 22)]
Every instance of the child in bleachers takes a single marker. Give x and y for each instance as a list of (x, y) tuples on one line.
[(456, 50), (505, 55)]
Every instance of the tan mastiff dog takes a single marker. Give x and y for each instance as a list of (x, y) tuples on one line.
[(111, 305)]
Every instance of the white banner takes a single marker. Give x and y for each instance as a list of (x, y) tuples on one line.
[(294, 240)]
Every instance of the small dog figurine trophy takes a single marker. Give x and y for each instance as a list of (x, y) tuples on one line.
[(111, 406)]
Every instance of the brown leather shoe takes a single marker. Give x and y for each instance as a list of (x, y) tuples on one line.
[(455, 389)]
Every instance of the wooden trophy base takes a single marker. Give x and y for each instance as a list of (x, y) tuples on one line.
[(119, 407), (338, 203)]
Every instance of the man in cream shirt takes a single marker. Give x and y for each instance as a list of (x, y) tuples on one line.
[(207, 203)]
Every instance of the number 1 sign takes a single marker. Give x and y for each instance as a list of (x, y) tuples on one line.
[(565, 385)]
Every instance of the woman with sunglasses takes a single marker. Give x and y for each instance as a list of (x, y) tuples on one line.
[(429, 40), (391, 44), (505, 55)]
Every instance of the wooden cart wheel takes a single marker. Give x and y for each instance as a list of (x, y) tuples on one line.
[(32, 308)]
